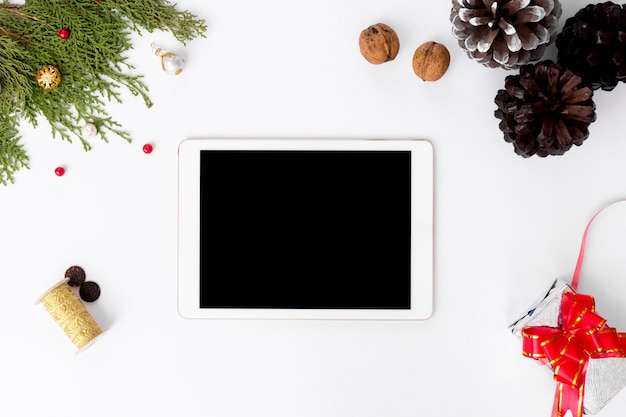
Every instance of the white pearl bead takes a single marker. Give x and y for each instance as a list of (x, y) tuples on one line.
[(172, 64), (90, 130)]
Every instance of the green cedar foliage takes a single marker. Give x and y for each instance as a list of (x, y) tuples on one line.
[(92, 62)]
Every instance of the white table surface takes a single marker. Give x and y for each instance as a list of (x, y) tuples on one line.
[(505, 227)]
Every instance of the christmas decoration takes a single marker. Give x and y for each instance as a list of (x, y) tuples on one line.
[(564, 332), (505, 33), (64, 33), (78, 75), (89, 130), (75, 276), (543, 332), (89, 291), (431, 61), (48, 77), (545, 109), (59, 171), (379, 44), (593, 42), (147, 148), (71, 315), (171, 63)]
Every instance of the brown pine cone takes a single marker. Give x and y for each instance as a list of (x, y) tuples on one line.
[(505, 33), (545, 109), (593, 43)]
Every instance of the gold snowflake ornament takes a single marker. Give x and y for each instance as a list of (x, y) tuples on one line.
[(48, 77)]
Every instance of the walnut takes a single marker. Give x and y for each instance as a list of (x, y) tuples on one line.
[(431, 61), (379, 43)]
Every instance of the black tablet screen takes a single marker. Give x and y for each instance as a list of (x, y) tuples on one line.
[(305, 229)]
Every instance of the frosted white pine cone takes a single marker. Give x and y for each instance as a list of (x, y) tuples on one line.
[(505, 33)]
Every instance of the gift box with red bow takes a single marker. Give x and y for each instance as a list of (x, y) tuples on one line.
[(587, 357)]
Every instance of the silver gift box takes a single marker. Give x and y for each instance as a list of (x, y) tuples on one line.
[(605, 377)]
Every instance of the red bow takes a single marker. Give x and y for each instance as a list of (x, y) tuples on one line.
[(581, 335)]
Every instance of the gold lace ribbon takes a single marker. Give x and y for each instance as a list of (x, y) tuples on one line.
[(71, 315)]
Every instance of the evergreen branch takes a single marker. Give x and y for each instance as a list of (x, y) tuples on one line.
[(15, 76), (12, 154), (10, 34), (13, 12), (107, 124), (160, 15), (92, 64), (16, 10)]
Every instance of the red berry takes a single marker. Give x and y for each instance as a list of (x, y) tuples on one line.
[(64, 33), (59, 171), (147, 148)]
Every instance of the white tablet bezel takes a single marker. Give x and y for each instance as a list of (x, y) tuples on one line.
[(422, 174)]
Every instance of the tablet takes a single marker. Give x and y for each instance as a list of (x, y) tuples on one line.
[(305, 229)]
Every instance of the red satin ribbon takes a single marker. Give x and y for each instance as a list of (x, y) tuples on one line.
[(581, 335), (581, 253)]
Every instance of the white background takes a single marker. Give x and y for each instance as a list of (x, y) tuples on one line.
[(505, 227)]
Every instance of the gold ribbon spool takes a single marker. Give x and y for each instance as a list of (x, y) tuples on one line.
[(71, 315)]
